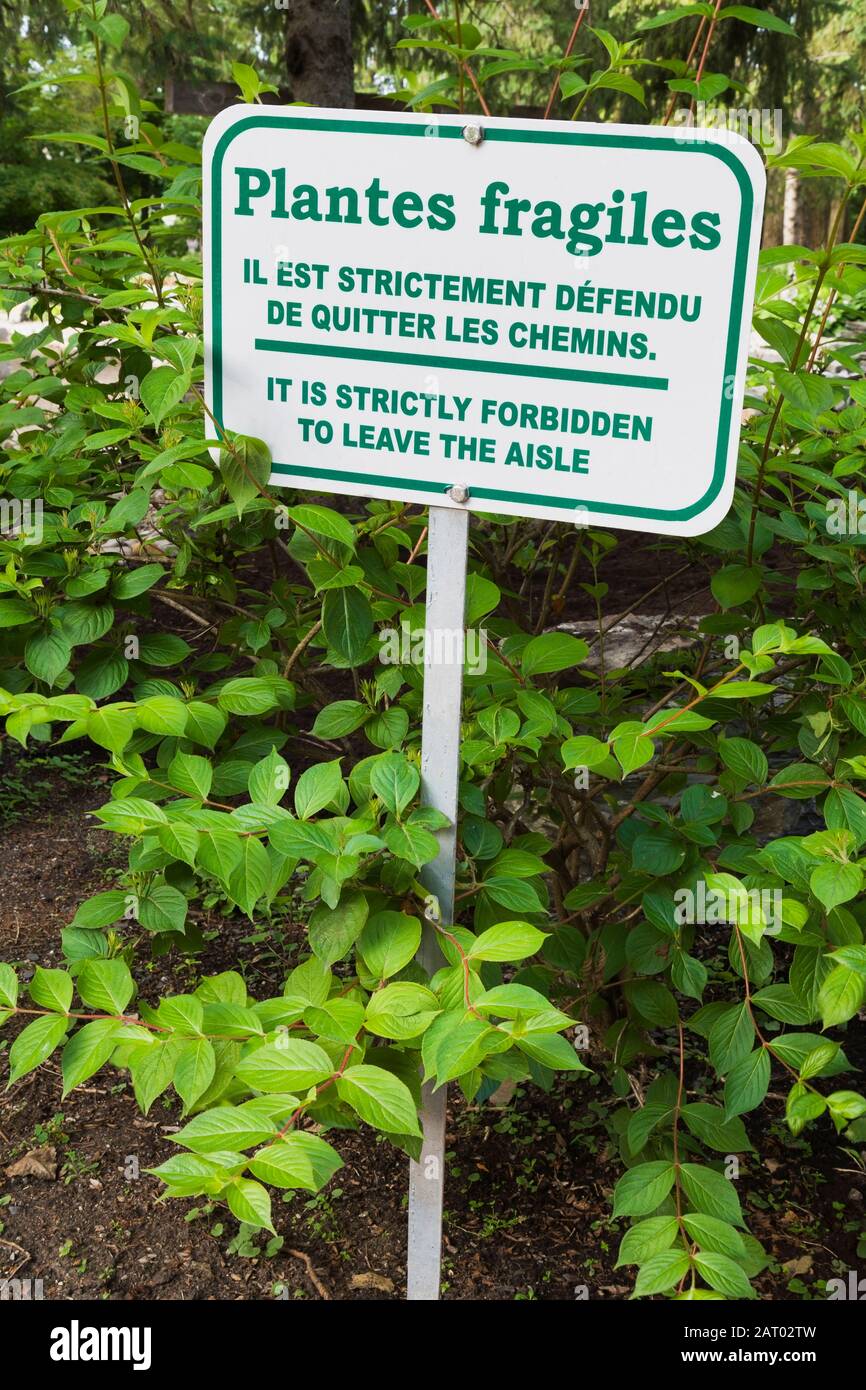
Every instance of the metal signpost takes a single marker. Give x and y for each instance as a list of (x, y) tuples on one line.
[(539, 319), (447, 542)]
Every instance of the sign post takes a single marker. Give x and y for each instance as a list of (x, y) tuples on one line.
[(555, 313), (447, 542)]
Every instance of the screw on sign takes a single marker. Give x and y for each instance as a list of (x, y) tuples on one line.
[(537, 319)]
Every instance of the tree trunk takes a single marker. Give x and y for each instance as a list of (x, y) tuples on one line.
[(319, 62)]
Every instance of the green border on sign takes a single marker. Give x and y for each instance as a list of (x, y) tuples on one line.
[(540, 135)]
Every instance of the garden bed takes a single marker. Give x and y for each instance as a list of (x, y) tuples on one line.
[(528, 1188)]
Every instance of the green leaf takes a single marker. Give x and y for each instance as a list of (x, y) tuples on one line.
[(8, 986), (551, 1050), (195, 1070), (653, 1001), (131, 507), (643, 1188), (163, 908), (180, 841), (85, 623), (724, 1274), (106, 984), (711, 1234), (649, 1237), (35, 1044), (570, 83), (189, 1175), (401, 1011), (309, 983), (191, 775), (324, 522), (800, 781), (347, 622), (846, 1105), (852, 956), (204, 723), (585, 751), (388, 942), (250, 1203), (51, 989), (708, 1123), (742, 690), (249, 879), (762, 19), (794, 1048), (333, 931), (113, 29), (780, 1001), (735, 584), (620, 82), (657, 850), (513, 893), (47, 656), (840, 996), (833, 884), (688, 975), (227, 1127), (163, 649), (219, 853), (87, 1051), (161, 390), (482, 596), (507, 1001), (395, 781), (101, 910), (747, 1083), (131, 583), (711, 1193), (111, 728), (507, 941), (380, 1098), (162, 714), (249, 695), (247, 80), (808, 392), (101, 674), (317, 788), (816, 1061), (338, 1020), (131, 815), (152, 1069), (300, 1160), (269, 779), (553, 651), (411, 842), (632, 751), (14, 612), (454, 1045), (340, 718), (845, 810), (731, 1037), (661, 1272), (245, 466), (290, 1064), (745, 759)]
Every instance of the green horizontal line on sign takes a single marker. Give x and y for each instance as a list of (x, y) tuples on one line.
[(463, 364)]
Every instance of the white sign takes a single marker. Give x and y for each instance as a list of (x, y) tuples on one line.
[(550, 316)]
